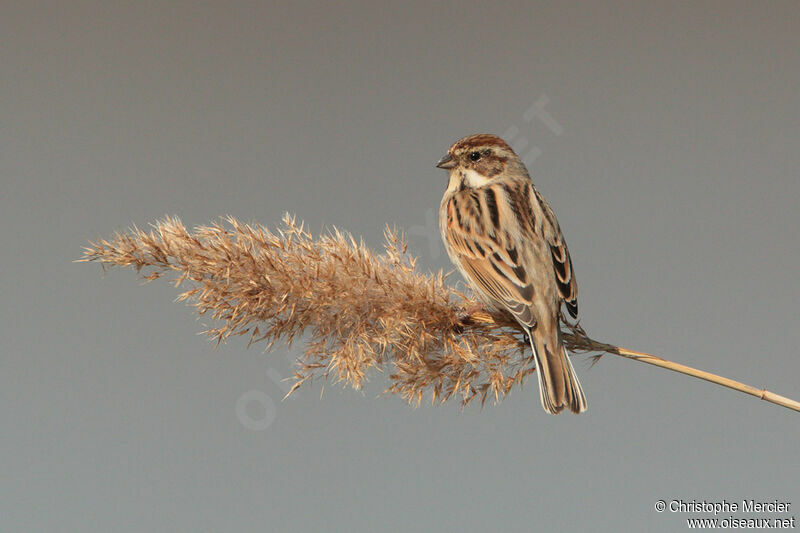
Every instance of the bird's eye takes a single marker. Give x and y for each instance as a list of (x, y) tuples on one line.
[(474, 156)]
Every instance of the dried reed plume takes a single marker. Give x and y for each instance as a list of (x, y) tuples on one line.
[(362, 310)]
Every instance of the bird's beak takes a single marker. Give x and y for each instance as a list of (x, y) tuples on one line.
[(447, 162)]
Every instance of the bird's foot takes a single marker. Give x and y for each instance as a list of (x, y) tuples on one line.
[(465, 315)]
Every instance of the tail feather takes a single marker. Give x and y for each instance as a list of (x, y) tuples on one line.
[(558, 384)]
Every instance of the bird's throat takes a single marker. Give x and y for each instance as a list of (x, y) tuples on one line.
[(461, 179)]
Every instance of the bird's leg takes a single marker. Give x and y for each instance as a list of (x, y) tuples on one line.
[(475, 308), (465, 315)]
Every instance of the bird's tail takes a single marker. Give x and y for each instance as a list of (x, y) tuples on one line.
[(558, 384)]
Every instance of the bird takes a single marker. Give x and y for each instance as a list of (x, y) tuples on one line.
[(503, 237)]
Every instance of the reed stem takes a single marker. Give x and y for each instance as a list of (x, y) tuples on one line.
[(359, 310)]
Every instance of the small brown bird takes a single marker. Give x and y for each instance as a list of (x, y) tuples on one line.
[(504, 238)]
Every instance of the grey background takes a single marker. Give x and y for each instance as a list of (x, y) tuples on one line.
[(674, 176)]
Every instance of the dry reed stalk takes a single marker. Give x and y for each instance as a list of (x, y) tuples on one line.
[(362, 310)]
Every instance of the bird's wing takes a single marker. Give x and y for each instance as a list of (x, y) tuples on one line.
[(562, 262), (485, 253), (565, 277)]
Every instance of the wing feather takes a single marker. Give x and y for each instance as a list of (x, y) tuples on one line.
[(562, 262), (488, 254), (491, 262)]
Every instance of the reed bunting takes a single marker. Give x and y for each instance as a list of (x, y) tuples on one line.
[(504, 238)]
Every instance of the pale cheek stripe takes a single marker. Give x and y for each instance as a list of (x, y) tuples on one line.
[(474, 179)]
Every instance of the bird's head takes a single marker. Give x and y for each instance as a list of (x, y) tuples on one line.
[(477, 159)]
